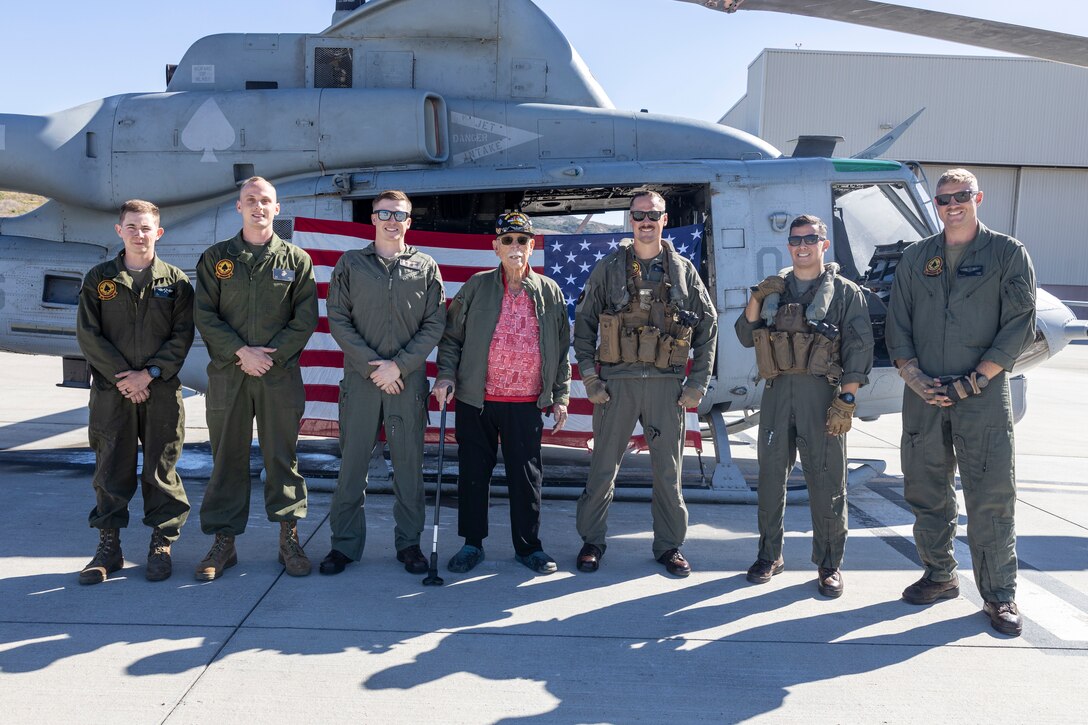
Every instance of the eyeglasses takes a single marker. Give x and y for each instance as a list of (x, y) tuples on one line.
[(809, 239), (961, 197), (385, 215), (522, 241), (654, 215)]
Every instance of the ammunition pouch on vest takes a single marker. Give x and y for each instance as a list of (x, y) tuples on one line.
[(649, 329), (793, 349)]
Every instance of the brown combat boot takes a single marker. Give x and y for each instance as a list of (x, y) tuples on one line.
[(107, 559), (159, 566), (292, 556), (221, 557)]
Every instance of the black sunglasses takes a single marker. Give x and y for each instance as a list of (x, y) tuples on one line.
[(522, 241), (809, 239), (654, 215), (961, 197), (385, 215)]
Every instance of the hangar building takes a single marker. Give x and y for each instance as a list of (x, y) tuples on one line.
[(1018, 124)]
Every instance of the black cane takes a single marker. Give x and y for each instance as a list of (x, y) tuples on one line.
[(432, 579)]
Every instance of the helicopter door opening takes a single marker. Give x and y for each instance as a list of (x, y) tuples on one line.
[(871, 225), (865, 215), (557, 209)]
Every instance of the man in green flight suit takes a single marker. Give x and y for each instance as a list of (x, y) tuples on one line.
[(387, 310), (650, 310), (256, 306), (135, 327), (814, 347), (962, 310)]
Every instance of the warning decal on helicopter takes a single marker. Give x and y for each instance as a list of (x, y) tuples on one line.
[(478, 137)]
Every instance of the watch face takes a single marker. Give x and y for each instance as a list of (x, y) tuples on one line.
[(154, 371), (847, 398)]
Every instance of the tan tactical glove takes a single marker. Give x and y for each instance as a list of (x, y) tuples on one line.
[(965, 386), (595, 390), (917, 380), (771, 285), (690, 398), (840, 416)]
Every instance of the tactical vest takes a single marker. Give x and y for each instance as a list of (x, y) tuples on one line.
[(649, 329), (796, 345)]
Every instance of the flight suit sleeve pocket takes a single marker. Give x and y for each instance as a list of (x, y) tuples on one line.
[(1017, 293)]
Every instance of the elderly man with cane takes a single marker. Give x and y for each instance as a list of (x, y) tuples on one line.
[(505, 357)]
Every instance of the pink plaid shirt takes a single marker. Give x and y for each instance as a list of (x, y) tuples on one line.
[(513, 361)]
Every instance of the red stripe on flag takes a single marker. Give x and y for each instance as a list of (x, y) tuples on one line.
[(325, 257), (349, 235)]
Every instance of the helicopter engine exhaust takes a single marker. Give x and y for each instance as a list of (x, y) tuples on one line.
[(97, 154)]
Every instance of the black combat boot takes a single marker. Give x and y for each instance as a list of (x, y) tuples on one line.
[(159, 566), (107, 559)]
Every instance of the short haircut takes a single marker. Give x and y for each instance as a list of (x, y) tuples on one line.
[(957, 176), (393, 194), (138, 206), (657, 198), (253, 180), (810, 220)]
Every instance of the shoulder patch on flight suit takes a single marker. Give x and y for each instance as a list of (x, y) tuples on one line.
[(934, 266), (224, 269), (974, 270), (167, 293), (107, 290), (283, 275)]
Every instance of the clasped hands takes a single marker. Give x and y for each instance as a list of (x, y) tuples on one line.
[(936, 393), (133, 385)]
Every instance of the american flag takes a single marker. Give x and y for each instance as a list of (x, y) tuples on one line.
[(566, 258)]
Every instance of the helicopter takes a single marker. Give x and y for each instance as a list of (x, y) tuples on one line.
[(471, 108)]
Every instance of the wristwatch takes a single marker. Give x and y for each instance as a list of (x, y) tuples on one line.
[(981, 380), (154, 371), (847, 398)]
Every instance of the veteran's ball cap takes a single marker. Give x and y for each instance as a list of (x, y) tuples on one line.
[(513, 221)]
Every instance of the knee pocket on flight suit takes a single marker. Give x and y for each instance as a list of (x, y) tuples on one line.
[(106, 417), (219, 393), (913, 456), (814, 456)]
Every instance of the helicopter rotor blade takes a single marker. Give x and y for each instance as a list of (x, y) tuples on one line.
[(1018, 39)]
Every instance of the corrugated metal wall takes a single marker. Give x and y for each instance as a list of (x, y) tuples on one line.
[(1005, 111)]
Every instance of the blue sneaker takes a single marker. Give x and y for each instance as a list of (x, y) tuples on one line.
[(465, 559), (539, 562)]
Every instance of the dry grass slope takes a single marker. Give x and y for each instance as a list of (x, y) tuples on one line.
[(14, 203)]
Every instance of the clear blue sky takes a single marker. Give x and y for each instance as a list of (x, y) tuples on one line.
[(666, 56)]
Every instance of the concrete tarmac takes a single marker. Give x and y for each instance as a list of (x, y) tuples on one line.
[(627, 644)]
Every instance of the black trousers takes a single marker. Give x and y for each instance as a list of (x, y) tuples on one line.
[(479, 430)]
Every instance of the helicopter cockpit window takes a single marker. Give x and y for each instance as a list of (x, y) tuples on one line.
[(332, 67), (866, 215)]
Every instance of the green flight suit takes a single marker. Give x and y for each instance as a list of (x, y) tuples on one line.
[(119, 329), (951, 320), (267, 300), (793, 418), (641, 392), (383, 313)]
